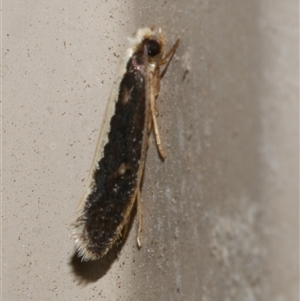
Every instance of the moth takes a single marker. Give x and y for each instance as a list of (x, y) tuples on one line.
[(115, 178)]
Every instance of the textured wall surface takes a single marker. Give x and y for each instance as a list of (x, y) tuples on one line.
[(220, 215)]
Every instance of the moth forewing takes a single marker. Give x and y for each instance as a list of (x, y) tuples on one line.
[(114, 181), (104, 130), (78, 223)]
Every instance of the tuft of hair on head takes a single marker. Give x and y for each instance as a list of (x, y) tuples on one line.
[(140, 35)]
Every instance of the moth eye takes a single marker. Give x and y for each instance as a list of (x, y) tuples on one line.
[(153, 48)]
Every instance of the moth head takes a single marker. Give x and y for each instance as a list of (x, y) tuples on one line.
[(153, 45), (150, 42)]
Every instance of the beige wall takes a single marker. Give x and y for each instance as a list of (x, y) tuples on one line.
[(220, 215)]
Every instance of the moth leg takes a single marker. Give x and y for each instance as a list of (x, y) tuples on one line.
[(139, 212), (165, 60), (149, 125), (154, 88), (148, 138), (125, 230), (156, 110)]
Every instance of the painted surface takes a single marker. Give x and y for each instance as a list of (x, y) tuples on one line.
[(220, 215)]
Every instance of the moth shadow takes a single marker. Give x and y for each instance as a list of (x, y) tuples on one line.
[(87, 272)]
